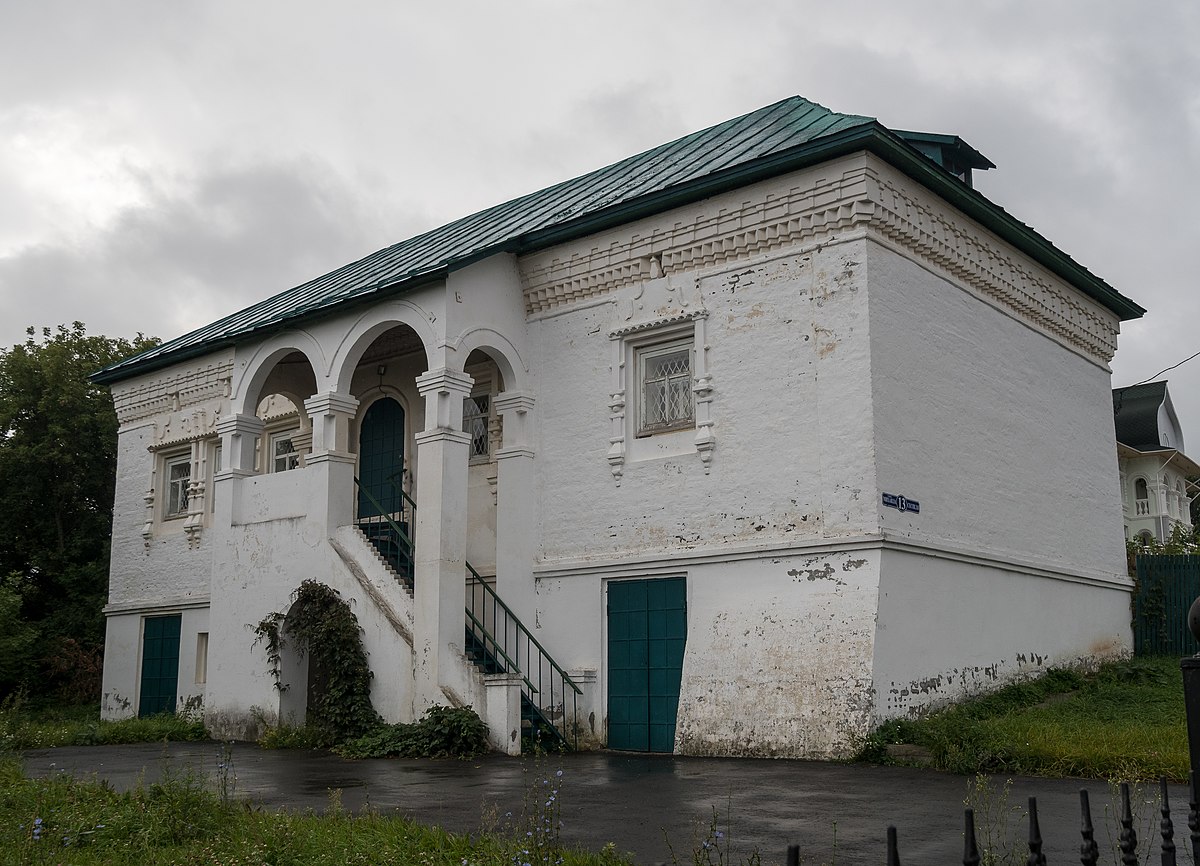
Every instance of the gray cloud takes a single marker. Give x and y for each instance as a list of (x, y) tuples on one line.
[(272, 141), (227, 239)]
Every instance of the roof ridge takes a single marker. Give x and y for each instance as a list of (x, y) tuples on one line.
[(776, 138), (663, 166)]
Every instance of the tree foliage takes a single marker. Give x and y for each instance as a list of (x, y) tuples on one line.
[(58, 440)]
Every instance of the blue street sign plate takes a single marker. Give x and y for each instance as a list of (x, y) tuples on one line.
[(901, 503)]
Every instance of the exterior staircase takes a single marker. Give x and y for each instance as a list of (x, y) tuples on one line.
[(496, 641), (391, 541)]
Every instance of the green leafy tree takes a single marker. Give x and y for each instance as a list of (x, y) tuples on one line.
[(58, 439)]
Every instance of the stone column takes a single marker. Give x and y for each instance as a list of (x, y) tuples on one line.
[(516, 506), (330, 464), (441, 540), (238, 433)]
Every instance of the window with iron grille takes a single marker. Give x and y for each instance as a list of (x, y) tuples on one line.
[(666, 401), (476, 418), (178, 474)]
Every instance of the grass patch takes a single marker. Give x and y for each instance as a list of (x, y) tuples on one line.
[(24, 727), (1125, 721), (179, 821)]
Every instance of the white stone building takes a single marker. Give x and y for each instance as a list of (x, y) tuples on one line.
[(1156, 490), (767, 434)]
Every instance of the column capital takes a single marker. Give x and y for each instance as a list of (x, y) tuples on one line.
[(442, 434), (329, 402), (514, 401), (515, 407), (330, 414), (251, 424), (444, 381)]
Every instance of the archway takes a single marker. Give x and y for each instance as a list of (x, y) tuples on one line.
[(279, 403), (390, 412)]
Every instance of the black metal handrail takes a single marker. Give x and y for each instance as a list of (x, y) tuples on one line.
[(387, 517), (404, 496), (488, 639), (504, 639), (547, 682), (410, 547)]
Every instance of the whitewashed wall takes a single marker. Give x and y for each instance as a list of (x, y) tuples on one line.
[(949, 628), (850, 352), (1000, 426), (1003, 436), (789, 361), (167, 572)]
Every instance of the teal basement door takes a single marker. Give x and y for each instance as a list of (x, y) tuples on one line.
[(381, 457), (647, 628), (160, 664)]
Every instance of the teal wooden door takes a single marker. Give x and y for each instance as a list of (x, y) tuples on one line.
[(647, 629), (160, 664), (381, 458)]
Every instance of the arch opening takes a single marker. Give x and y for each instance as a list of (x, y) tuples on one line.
[(279, 403)]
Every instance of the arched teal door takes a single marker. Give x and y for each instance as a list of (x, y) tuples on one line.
[(381, 459)]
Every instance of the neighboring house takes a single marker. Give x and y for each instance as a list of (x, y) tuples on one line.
[(767, 434), (1158, 481)]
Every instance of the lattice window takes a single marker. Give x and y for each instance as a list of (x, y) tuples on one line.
[(178, 474), (665, 385), (476, 422)]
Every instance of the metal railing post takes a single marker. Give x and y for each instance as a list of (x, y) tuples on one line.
[(1191, 697)]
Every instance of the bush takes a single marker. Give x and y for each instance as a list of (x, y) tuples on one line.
[(443, 732), (323, 626), (18, 640)]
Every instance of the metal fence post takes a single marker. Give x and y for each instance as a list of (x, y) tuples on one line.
[(1191, 697)]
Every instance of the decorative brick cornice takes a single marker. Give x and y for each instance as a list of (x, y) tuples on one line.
[(173, 391), (868, 197), (974, 259)]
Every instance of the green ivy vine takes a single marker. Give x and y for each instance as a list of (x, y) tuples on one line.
[(321, 624)]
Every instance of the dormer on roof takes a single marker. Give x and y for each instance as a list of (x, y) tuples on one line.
[(950, 152)]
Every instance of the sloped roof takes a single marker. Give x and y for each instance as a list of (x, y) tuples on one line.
[(782, 137), (1135, 410)]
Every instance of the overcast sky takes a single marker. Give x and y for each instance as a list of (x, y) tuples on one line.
[(163, 164)]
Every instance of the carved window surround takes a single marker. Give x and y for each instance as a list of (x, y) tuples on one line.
[(658, 312), (200, 454)]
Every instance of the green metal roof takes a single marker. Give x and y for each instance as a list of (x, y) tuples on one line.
[(782, 137)]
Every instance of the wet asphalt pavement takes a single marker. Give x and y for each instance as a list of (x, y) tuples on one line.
[(640, 802)]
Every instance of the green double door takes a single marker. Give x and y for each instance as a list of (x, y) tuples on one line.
[(647, 629), (160, 665)]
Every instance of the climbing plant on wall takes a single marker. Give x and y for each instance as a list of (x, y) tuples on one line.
[(321, 625)]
